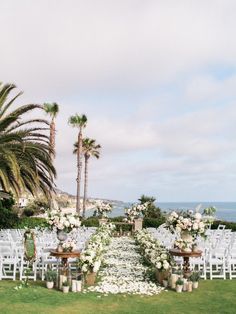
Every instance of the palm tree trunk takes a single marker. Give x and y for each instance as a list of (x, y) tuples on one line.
[(79, 167), (86, 159), (52, 138)]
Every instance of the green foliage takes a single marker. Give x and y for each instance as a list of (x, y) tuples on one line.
[(179, 282), (153, 222), (152, 211), (51, 275), (25, 162), (65, 284), (228, 224), (123, 227), (31, 223), (90, 222), (195, 276), (37, 206), (28, 212), (8, 218)]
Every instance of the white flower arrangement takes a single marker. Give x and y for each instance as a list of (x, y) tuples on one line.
[(194, 224), (153, 252), (69, 245), (62, 221), (135, 211), (91, 256), (102, 209)]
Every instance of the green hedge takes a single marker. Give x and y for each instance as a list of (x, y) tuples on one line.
[(90, 222), (30, 222), (153, 222), (229, 224)]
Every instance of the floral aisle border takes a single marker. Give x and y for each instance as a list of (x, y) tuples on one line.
[(153, 252), (92, 255)]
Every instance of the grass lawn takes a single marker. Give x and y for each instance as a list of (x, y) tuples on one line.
[(216, 297)]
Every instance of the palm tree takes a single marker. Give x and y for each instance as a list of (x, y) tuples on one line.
[(79, 122), (52, 110), (25, 162), (90, 149)]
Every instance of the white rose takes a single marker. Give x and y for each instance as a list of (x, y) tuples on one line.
[(195, 226), (84, 268), (198, 216)]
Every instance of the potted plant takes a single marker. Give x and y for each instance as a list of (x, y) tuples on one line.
[(65, 287), (195, 277), (50, 278), (179, 285)]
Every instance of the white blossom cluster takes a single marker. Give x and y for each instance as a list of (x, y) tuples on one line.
[(135, 211), (153, 252), (91, 256), (186, 221), (124, 271), (62, 221), (69, 245), (102, 209)]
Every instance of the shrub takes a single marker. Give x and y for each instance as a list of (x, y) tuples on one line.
[(228, 224), (28, 212), (51, 275), (8, 218), (30, 222), (153, 222), (121, 219), (90, 222)]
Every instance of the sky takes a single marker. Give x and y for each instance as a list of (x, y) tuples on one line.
[(156, 79)]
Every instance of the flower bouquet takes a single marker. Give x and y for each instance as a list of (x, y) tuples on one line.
[(135, 211), (188, 226), (69, 245), (102, 209), (59, 220)]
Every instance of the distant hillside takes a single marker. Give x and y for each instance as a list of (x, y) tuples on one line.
[(66, 199)]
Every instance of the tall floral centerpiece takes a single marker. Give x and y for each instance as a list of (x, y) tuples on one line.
[(134, 215), (63, 223), (102, 210), (187, 226)]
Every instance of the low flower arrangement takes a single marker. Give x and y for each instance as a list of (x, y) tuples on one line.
[(135, 211), (57, 219), (153, 252), (103, 209), (69, 245), (91, 257)]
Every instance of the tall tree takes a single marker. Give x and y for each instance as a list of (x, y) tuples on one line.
[(90, 149), (52, 110), (25, 162), (80, 122)]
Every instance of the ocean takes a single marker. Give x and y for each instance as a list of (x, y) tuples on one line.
[(224, 210)]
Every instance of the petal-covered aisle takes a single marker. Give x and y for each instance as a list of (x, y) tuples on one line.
[(123, 271)]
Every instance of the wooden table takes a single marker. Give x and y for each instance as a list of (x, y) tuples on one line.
[(64, 256), (186, 256)]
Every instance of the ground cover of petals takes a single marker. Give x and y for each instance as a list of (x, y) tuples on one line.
[(123, 271)]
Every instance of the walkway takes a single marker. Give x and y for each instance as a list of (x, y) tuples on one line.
[(123, 270)]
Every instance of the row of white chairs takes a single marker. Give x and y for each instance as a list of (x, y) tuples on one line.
[(12, 262), (218, 259)]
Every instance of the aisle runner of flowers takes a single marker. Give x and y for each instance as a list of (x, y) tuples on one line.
[(123, 270)]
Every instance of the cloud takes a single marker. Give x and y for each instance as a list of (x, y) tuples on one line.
[(156, 79), (114, 44)]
